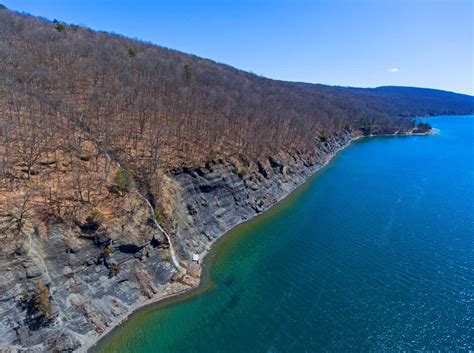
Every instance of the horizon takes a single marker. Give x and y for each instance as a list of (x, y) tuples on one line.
[(206, 44)]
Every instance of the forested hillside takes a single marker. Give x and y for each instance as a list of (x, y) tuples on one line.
[(68, 94)]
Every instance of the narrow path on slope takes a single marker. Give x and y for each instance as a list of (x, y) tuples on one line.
[(174, 258), (34, 253), (172, 252)]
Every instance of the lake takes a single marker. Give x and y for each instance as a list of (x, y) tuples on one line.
[(375, 252)]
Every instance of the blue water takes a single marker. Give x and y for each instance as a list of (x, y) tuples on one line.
[(374, 253)]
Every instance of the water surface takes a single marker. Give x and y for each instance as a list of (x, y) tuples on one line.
[(374, 253)]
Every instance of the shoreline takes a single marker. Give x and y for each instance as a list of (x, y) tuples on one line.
[(161, 297), (199, 282)]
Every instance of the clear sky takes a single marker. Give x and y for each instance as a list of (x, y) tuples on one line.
[(365, 43)]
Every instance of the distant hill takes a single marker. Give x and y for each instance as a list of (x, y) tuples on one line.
[(412, 101)]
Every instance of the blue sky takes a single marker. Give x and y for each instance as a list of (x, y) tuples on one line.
[(364, 43)]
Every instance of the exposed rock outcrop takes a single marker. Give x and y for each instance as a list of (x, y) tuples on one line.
[(96, 277), (94, 280), (215, 198)]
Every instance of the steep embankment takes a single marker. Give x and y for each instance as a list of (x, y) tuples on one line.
[(93, 288), (215, 198)]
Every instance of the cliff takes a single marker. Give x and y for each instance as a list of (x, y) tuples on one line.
[(97, 277)]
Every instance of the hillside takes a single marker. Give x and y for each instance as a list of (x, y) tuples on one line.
[(155, 109), (95, 125)]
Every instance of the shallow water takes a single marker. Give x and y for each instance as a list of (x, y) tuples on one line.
[(374, 253)]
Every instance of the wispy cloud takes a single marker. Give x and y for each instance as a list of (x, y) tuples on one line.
[(393, 69)]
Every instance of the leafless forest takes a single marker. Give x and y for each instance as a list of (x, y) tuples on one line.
[(67, 94)]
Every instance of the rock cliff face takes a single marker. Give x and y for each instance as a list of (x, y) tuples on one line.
[(96, 277), (216, 198)]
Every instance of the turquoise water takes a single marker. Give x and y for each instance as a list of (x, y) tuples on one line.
[(375, 253)]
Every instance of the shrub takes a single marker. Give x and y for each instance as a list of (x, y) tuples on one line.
[(97, 216), (422, 127), (211, 158), (187, 72), (123, 180), (114, 271), (241, 172), (42, 303), (132, 52), (159, 216), (324, 135), (59, 26)]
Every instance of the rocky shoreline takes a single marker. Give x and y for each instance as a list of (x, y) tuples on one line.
[(89, 302), (173, 291)]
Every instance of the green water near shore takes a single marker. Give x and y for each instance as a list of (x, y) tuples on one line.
[(374, 253)]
